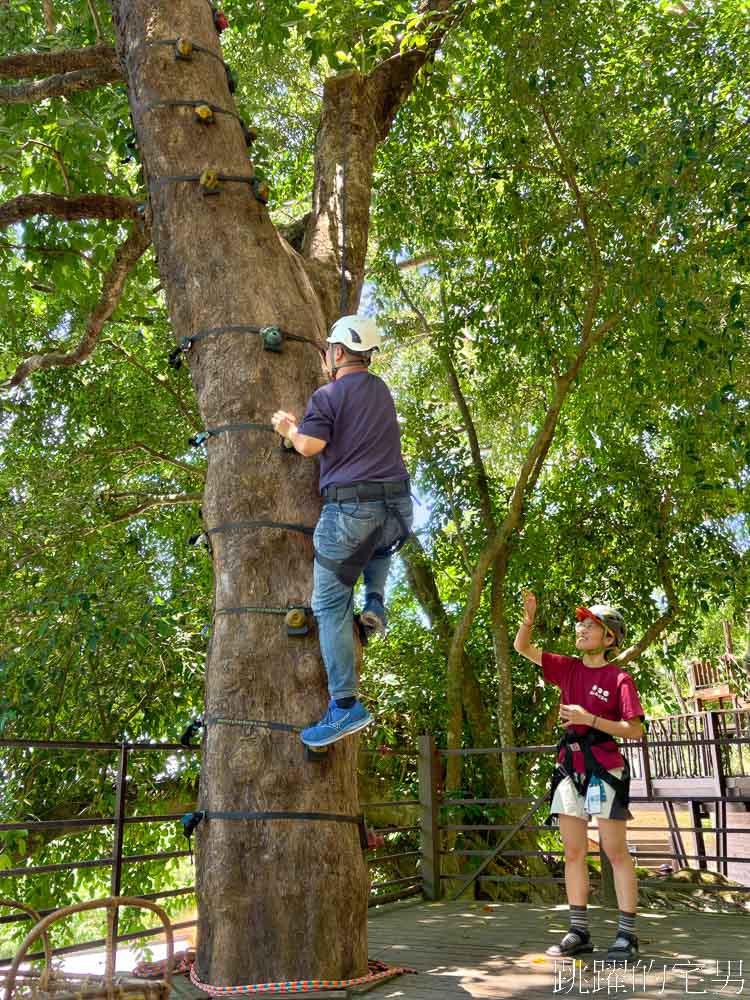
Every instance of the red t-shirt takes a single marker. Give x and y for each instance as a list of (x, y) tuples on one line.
[(607, 691)]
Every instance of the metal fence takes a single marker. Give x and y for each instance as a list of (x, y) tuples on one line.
[(686, 761), (387, 890)]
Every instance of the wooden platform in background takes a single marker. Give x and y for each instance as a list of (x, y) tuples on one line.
[(472, 950)]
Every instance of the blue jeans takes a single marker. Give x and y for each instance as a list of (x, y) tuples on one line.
[(341, 529)]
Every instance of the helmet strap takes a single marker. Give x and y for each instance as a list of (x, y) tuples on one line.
[(334, 369)]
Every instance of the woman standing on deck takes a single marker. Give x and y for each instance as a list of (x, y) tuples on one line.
[(599, 701)]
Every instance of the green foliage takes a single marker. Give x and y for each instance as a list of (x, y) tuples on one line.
[(543, 153)]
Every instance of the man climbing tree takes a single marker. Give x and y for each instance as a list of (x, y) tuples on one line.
[(279, 859), (351, 424)]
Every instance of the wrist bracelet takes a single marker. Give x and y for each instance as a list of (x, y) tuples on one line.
[(528, 624)]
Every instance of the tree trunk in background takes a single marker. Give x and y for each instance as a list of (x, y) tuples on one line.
[(525, 841), (278, 899), (501, 646), (421, 579)]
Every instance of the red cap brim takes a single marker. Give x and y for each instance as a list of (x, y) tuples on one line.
[(582, 613)]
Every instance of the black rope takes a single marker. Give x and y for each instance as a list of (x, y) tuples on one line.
[(192, 729), (272, 337), (281, 814), (254, 609), (173, 41), (199, 439), (239, 525), (261, 330), (214, 720), (168, 178), (193, 104)]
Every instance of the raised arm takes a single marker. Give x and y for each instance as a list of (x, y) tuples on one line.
[(522, 643)]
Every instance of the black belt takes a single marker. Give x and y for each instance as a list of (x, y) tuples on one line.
[(367, 491)]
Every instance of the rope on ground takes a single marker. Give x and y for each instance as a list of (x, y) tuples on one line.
[(376, 971), (183, 965)]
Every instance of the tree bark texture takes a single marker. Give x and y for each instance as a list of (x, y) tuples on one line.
[(278, 899)]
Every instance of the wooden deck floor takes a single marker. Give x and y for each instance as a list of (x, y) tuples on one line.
[(467, 950)]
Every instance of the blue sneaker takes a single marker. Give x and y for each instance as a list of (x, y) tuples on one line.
[(373, 617), (336, 724)]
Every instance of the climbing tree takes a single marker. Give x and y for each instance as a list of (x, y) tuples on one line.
[(249, 313), (574, 205)]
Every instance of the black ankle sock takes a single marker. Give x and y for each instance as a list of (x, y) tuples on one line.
[(345, 702), (579, 918)]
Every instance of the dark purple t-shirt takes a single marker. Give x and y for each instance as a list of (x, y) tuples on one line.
[(356, 416)]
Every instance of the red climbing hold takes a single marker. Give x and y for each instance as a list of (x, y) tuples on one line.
[(374, 840), (221, 23)]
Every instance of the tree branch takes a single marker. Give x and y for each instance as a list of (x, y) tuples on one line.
[(80, 206), (357, 114), (527, 478), (194, 470), (480, 473), (191, 417), (21, 65), (125, 258), (393, 79), (49, 16), (571, 181), (47, 251), (153, 500), (57, 155), (665, 578), (96, 19), (61, 85)]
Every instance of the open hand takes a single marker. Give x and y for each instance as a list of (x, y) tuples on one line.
[(529, 606), (574, 715), (284, 423)]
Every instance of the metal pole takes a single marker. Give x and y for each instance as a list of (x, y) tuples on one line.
[(116, 882), (429, 800)]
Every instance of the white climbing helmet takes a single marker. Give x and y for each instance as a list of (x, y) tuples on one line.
[(608, 617), (358, 334)]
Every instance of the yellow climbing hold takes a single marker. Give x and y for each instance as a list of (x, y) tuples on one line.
[(183, 49), (296, 617), (204, 113)]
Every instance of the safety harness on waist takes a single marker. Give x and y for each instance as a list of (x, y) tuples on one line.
[(572, 743), (348, 570)]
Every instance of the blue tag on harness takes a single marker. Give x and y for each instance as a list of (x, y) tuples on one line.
[(594, 797)]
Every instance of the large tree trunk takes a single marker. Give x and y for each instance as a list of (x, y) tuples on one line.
[(278, 899)]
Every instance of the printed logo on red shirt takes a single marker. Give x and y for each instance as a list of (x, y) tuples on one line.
[(599, 692)]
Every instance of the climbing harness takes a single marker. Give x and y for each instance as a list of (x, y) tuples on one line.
[(595, 775), (378, 971), (272, 339), (348, 570)]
